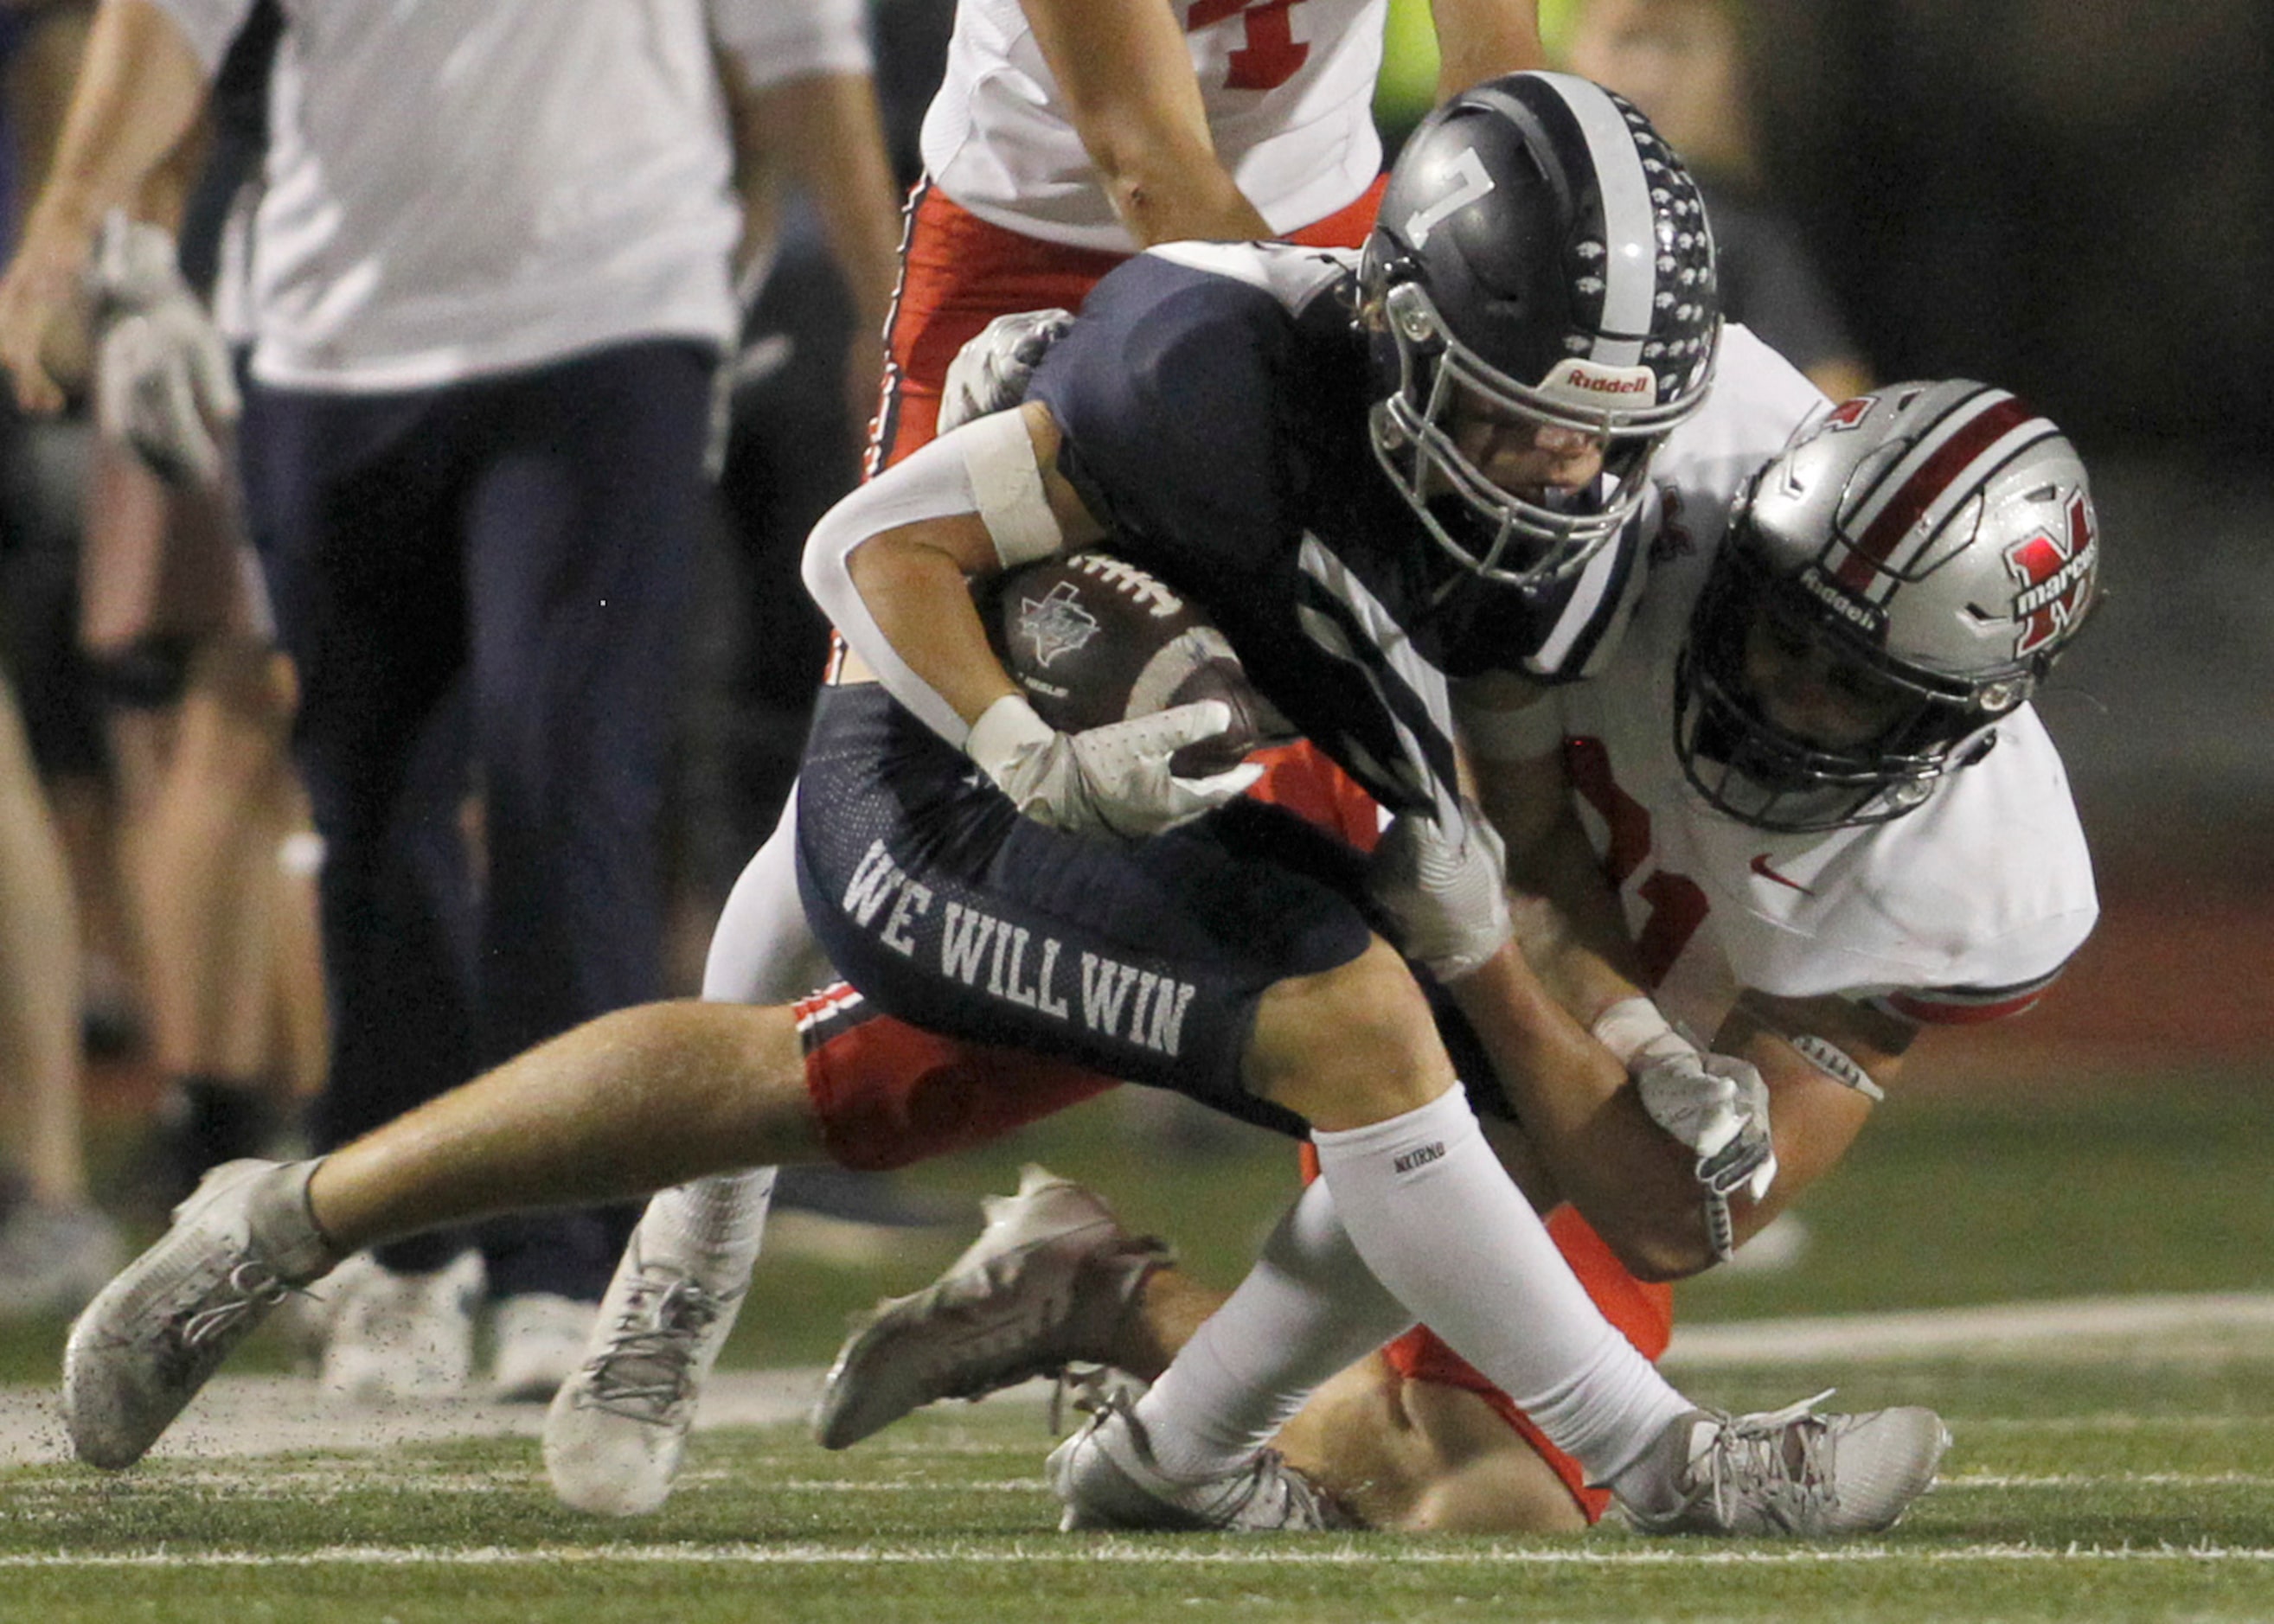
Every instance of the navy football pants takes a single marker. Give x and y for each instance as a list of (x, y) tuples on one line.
[(483, 586)]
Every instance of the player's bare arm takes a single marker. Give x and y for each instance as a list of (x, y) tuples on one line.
[(141, 87), (823, 132), (1817, 1106), (912, 579), (1126, 75), (1479, 39)]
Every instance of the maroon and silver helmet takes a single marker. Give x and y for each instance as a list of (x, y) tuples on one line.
[(1937, 541)]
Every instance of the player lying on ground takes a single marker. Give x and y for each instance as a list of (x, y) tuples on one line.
[(1787, 775), (1465, 517)]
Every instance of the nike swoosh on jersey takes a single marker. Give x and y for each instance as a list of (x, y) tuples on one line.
[(1760, 865)]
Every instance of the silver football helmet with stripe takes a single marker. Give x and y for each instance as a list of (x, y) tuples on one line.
[(1892, 584), (1541, 255)]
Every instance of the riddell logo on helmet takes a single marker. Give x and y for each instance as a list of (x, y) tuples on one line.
[(1598, 386), (1862, 616)]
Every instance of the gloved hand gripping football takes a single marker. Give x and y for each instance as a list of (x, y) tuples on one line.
[(1717, 1105), (1116, 779)]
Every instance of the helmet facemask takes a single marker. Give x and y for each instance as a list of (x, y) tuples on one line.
[(1489, 532), (1748, 765), (1539, 261)]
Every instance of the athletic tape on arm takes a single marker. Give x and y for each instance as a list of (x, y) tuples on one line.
[(931, 483), (998, 457)]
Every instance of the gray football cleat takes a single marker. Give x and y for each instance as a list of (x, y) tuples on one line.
[(1793, 1473), (240, 1244), (1105, 1476), (1045, 1285), (617, 1426)]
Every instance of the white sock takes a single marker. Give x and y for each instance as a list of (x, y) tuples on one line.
[(713, 1226), (1437, 1219), (1308, 1309)]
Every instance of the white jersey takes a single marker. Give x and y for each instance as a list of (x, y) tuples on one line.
[(1961, 909), (1756, 400), (1288, 89), (455, 188)]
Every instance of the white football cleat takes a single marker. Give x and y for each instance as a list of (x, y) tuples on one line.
[(1105, 1476), (1044, 1286), (618, 1425), (238, 1247), (397, 1336), (537, 1341), (1793, 1473)]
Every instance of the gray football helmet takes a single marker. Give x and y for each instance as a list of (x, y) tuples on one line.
[(1539, 247), (1937, 541)]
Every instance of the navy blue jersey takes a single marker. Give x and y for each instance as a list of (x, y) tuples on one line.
[(1214, 401)]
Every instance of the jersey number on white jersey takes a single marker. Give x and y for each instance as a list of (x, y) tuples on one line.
[(1676, 904), (1269, 56)]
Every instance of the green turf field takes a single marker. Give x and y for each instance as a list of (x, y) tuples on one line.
[(2134, 1482)]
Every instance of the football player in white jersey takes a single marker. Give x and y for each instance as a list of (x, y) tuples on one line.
[(1828, 816)]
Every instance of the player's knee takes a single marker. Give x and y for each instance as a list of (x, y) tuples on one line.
[(1350, 1045)]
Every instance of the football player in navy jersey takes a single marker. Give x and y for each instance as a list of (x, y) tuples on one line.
[(1380, 478)]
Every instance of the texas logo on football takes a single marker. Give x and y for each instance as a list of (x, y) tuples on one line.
[(1055, 623)]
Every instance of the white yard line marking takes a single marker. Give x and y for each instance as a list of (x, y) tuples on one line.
[(1073, 1552), (2107, 1480), (2185, 1326)]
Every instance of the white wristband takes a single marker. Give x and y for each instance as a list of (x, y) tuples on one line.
[(1634, 1031), (1004, 730)]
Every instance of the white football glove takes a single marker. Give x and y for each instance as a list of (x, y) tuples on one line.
[(1715, 1104), (162, 379), (1446, 893), (1114, 780), (991, 371), (1719, 1107)]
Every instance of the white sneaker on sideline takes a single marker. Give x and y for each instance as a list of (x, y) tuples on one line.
[(1793, 1473), (54, 1257), (537, 1343), (401, 1336), (617, 1426), (1105, 1476)]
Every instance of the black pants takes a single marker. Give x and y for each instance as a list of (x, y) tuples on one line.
[(484, 587)]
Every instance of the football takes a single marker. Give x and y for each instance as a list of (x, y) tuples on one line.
[(1093, 640)]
